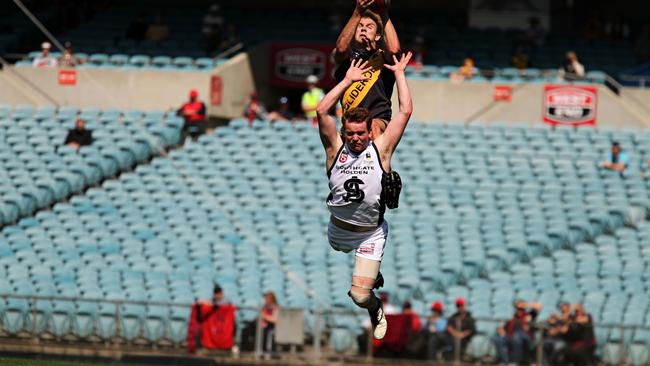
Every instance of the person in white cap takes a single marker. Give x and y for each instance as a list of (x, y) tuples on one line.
[(45, 59), (311, 98)]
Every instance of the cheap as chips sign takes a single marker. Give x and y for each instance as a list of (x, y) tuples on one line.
[(570, 105)]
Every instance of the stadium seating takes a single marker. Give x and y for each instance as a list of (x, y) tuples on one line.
[(38, 170), (491, 213), (138, 62)]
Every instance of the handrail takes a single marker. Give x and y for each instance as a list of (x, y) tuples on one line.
[(229, 51)]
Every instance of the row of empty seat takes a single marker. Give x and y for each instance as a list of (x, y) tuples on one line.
[(502, 75), (135, 62)]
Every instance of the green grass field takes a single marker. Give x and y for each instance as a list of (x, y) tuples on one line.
[(27, 362)]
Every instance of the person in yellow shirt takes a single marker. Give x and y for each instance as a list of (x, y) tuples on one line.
[(311, 98)]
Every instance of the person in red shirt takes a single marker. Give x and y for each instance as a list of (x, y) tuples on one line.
[(416, 324), (194, 114)]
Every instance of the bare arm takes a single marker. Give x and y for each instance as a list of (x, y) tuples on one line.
[(326, 125), (393, 46), (342, 49), (388, 141)]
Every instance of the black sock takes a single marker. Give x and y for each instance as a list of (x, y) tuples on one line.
[(374, 308)]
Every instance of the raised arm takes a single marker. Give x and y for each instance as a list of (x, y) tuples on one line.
[(342, 50), (393, 46), (326, 124), (388, 141)]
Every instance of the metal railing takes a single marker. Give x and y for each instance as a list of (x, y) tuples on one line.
[(34, 317), (33, 325)]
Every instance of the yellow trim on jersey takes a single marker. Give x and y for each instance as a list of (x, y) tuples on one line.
[(357, 92)]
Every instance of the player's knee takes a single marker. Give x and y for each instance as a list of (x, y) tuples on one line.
[(361, 297)]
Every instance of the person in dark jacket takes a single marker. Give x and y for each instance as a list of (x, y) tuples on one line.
[(79, 136), (461, 328), (517, 336), (581, 338)]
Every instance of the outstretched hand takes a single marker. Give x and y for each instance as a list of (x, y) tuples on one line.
[(400, 65), (364, 4), (357, 70)]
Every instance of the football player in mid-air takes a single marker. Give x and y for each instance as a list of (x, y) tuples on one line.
[(358, 168), (369, 36)]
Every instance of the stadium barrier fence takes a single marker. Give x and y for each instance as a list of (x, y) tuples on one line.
[(31, 329)]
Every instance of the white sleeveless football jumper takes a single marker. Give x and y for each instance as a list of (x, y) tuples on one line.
[(355, 198)]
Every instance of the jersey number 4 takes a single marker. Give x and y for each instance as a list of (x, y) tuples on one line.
[(354, 193)]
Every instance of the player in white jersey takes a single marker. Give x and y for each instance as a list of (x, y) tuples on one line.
[(357, 163)]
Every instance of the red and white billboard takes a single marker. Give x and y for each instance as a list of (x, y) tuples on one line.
[(291, 63), (502, 93), (572, 105), (67, 77)]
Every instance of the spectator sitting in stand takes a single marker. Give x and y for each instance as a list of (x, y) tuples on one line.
[(581, 338), (555, 335), (283, 113), (516, 338), (617, 160), (68, 59), (79, 136), (255, 110), (520, 59), (465, 72), (419, 53), (194, 114), (137, 29), (461, 327), (573, 70), (157, 31), (269, 315), (438, 338), (45, 59), (416, 324)]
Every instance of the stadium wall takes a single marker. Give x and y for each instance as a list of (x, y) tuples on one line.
[(126, 89), (473, 103)]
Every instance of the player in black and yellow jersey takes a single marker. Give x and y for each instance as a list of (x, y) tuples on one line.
[(371, 37)]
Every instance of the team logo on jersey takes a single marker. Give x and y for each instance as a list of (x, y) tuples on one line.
[(368, 249), (343, 158), (368, 156), (353, 190)]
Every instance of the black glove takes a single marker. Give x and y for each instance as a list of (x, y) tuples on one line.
[(392, 184)]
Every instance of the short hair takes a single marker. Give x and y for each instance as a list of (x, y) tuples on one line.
[(217, 289), (358, 114), (616, 144), (375, 18)]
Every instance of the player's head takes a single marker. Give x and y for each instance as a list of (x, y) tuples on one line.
[(369, 30), (356, 127)]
